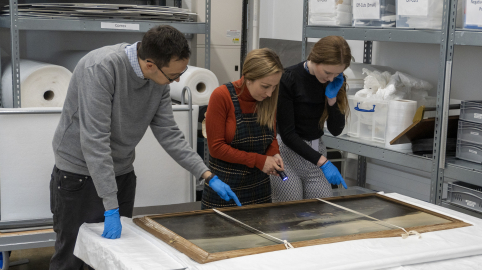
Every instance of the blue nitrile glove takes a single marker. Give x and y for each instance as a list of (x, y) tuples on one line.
[(333, 87), (112, 224), (223, 190), (332, 174)]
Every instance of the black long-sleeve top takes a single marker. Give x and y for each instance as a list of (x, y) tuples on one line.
[(301, 103)]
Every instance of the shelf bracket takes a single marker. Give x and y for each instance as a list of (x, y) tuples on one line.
[(15, 53), (443, 100), (361, 177), (367, 52), (304, 39), (207, 36)]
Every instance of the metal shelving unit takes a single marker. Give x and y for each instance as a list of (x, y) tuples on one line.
[(87, 25), (46, 239), (452, 168), (447, 37)]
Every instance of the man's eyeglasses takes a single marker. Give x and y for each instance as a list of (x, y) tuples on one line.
[(167, 77)]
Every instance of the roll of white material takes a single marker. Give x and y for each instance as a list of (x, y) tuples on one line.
[(201, 81), (41, 85), (400, 116)]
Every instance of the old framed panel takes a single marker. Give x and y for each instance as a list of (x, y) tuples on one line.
[(205, 236)]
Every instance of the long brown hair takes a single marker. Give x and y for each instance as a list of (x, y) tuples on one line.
[(333, 50), (260, 63)]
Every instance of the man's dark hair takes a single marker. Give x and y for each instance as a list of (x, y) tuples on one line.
[(162, 43)]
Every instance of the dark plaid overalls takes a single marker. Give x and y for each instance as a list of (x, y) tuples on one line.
[(251, 185)]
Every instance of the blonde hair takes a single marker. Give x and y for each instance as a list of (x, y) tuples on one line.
[(258, 64), (333, 50)]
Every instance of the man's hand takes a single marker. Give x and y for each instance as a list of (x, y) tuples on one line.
[(112, 224)]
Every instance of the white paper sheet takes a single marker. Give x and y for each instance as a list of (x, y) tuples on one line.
[(473, 12), (380, 253), (412, 8), (366, 9)]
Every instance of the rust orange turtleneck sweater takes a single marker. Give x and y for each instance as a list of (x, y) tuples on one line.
[(221, 127)]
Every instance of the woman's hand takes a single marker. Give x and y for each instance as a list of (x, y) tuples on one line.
[(279, 161), (271, 165)]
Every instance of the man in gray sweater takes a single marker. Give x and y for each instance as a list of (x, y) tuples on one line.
[(115, 94)]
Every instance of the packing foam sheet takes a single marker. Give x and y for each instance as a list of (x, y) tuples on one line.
[(201, 81), (438, 247), (41, 84)]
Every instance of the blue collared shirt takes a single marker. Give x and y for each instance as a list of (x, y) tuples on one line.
[(131, 52)]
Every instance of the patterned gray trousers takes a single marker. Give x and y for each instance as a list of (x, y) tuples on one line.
[(305, 179)]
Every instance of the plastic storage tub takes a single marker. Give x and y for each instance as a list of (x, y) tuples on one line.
[(470, 132), (329, 12), (471, 111), (353, 124), (368, 118), (472, 14), (383, 15), (419, 14), (469, 151), (465, 195)]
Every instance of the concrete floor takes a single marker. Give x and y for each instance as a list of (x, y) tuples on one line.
[(39, 258)]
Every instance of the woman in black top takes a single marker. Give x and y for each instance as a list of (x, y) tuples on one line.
[(311, 92)]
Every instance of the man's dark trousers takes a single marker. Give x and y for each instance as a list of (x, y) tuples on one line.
[(74, 201)]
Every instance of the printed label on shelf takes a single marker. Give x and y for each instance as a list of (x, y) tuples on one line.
[(233, 33), (478, 115), (474, 133), (412, 7), (473, 12), (473, 151), (120, 26), (366, 9), (471, 203), (321, 6)]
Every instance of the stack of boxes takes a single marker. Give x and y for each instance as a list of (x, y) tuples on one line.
[(469, 136)]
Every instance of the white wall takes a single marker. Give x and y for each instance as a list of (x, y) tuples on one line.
[(283, 19)]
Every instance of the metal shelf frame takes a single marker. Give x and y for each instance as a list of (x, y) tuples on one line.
[(447, 37), (454, 168), (38, 240), (17, 24)]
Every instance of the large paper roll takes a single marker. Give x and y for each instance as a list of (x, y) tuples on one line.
[(201, 81), (400, 116), (41, 85)]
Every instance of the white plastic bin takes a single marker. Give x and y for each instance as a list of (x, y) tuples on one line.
[(472, 14), (368, 118), (329, 12), (374, 13), (380, 121), (419, 14), (353, 125)]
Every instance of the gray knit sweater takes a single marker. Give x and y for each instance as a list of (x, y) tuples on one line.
[(106, 113)]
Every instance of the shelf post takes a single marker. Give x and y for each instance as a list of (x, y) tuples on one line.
[(361, 176), (304, 39), (1, 105), (207, 36), (443, 100), (15, 53), (367, 52)]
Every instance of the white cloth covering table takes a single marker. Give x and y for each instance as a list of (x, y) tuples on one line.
[(448, 249)]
